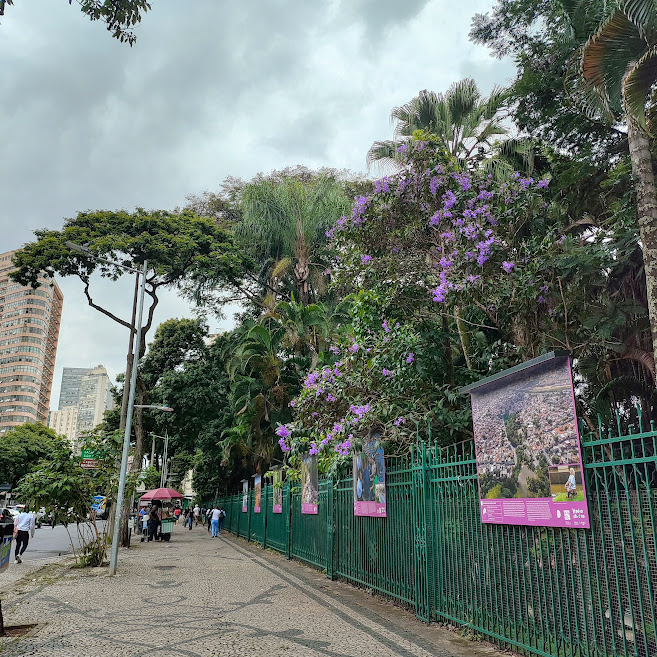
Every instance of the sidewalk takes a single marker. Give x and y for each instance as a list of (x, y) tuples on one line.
[(201, 597)]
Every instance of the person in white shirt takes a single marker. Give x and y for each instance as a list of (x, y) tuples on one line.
[(197, 513), (215, 514), (23, 528)]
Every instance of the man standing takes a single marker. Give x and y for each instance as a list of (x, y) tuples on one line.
[(23, 529), (197, 512)]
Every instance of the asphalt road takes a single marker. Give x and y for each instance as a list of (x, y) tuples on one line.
[(48, 541)]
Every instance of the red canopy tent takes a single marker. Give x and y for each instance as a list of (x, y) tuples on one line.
[(162, 494)]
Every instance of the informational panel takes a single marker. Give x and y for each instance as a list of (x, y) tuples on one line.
[(257, 487), (370, 481), (527, 446), (245, 496), (309, 485), (277, 497)]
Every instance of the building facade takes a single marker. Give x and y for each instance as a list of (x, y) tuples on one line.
[(69, 393), (29, 330), (95, 398), (65, 422)]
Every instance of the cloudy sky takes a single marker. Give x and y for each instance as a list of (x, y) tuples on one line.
[(211, 88)]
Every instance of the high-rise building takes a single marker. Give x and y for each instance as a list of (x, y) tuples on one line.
[(29, 329), (69, 393), (95, 398), (65, 422)]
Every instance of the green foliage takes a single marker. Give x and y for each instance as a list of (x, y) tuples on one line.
[(22, 447), (119, 16), (150, 477)]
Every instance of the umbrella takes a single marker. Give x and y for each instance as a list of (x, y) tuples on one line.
[(161, 494)]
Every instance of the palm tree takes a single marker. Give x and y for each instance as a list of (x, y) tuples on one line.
[(619, 64), (285, 222), (462, 119)]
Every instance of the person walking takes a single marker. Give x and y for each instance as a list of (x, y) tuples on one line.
[(190, 519), (197, 511), (153, 524), (215, 514), (24, 525), (222, 517)]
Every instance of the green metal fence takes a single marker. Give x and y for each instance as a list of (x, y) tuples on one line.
[(544, 591)]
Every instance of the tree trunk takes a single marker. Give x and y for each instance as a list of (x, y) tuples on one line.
[(646, 193), (463, 336)]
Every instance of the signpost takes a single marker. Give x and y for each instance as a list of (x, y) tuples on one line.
[(528, 453), (89, 461)]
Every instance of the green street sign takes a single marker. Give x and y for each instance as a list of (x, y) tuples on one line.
[(88, 454)]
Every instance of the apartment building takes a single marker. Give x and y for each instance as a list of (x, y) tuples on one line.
[(29, 330)]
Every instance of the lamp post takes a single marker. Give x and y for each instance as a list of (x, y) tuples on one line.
[(114, 554), (165, 454)]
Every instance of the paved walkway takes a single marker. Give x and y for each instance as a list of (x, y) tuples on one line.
[(197, 596)]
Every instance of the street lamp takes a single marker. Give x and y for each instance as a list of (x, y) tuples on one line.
[(157, 408), (114, 555)]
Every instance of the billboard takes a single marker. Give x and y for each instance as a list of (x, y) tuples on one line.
[(527, 446), (369, 474), (245, 496), (277, 497), (257, 487), (309, 485)]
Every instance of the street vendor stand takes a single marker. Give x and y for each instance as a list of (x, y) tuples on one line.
[(165, 497)]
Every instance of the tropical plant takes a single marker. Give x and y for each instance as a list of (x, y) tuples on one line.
[(284, 224), (619, 63), (463, 121)]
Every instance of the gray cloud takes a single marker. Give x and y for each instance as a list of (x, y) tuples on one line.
[(210, 89)]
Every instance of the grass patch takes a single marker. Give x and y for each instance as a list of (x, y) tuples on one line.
[(563, 497)]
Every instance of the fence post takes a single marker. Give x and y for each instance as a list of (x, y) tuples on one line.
[(288, 519), (249, 513), (420, 536), (263, 509), (330, 534)]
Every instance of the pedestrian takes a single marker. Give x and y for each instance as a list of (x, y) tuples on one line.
[(142, 514), (176, 514), (214, 515), (222, 516), (197, 511), (190, 519), (208, 519), (24, 525), (153, 524)]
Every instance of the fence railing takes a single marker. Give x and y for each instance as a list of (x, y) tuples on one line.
[(544, 591)]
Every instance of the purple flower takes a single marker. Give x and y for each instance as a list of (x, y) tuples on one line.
[(353, 348), (449, 199), (410, 358), (508, 266), (283, 445), (365, 259), (386, 328), (292, 403), (313, 449), (462, 180), (542, 184), (386, 372), (283, 432), (400, 420), (334, 350), (330, 398)]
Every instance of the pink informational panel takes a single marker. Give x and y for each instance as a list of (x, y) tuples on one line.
[(370, 481), (245, 496), (527, 446), (309, 485), (257, 487), (277, 497)]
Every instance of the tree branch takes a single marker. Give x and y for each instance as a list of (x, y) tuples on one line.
[(100, 308)]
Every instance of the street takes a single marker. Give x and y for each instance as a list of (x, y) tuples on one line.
[(49, 541)]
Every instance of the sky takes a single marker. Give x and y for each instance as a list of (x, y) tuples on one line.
[(213, 90)]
